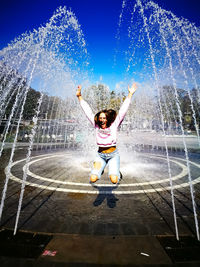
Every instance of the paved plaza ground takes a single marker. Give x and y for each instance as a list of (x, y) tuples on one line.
[(126, 224)]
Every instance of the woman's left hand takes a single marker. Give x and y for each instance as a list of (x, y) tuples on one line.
[(78, 91), (132, 89)]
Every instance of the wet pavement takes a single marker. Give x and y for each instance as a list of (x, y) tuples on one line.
[(125, 219)]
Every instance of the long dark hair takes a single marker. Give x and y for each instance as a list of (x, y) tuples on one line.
[(110, 116)]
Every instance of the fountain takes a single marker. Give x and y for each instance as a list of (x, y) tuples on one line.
[(39, 57), (162, 53)]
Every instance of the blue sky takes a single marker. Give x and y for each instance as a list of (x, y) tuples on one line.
[(99, 22)]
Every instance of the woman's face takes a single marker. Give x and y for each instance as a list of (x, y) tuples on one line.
[(102, 120)]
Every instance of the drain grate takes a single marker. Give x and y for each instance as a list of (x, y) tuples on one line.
[(186, 249), (22, 245)]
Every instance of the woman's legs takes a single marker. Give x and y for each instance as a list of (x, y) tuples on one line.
[(113, 160), (93, 178), (114, 166), (98, 167)]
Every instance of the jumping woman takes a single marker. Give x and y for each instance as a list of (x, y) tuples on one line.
[(106, 123)]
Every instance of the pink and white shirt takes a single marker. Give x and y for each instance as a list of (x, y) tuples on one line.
[(108, 136)]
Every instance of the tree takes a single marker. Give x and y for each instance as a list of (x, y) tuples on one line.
[(188, 104), (97, 96)]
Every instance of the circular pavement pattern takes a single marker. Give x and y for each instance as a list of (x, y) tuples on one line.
[(59, 181)]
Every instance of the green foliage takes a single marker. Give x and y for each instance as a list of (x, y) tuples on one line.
[(31, 104), (100, 97), (10, 138), (171, 102)]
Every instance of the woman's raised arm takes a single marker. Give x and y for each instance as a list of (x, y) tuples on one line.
[(86, 108), (124, 108)]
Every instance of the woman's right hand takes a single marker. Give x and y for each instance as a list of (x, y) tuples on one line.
[(132, 89), (78, 91)]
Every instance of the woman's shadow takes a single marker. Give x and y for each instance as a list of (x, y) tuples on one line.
[(105, 193)]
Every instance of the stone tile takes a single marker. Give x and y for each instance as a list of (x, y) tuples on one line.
[(112, 229), (100, 229), (128, 229), (86, 229)]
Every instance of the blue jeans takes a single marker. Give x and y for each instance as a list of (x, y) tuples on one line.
[(102, 159)]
